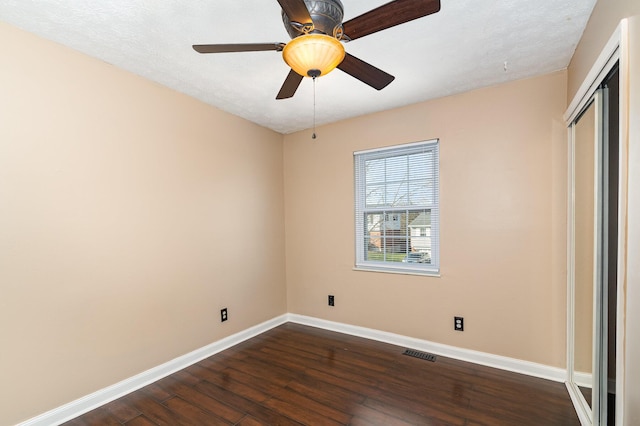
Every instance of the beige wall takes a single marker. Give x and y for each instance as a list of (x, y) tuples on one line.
[(128, 216), (605, 18), (503, 209)]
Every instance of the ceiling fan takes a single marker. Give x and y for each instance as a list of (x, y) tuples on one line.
[(317, 30)]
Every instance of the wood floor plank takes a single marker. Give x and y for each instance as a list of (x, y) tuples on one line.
[(273, 374), (296, 375), (155, 411), (299, 400), (258, 411), (414, 411), (250, 421), (243, 384), (444, 391), (302, 415), (140, 421), (332, 396), (121, 411), (99, 416), (407, 415), (366, 416), (156, 392), (194, 414), (205, 402), (340, 382)]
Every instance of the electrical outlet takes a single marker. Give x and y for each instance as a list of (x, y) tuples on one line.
[(458, 323), (223, 315), (332, 301)]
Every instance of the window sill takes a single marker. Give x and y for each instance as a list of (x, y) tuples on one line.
[(387, 270)]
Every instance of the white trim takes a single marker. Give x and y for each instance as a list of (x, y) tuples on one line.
[(623, 190), (571, 207), (389, 270), (605, 62), (599, 360), (584, 414), (574, 379), (361, 211), (103, 396), (401, 146), (496, 361)]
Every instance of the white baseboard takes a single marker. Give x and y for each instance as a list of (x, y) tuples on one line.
[(584, 380), (87, 403), (504, 363)]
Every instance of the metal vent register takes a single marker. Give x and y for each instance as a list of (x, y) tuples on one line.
[(421, 355)]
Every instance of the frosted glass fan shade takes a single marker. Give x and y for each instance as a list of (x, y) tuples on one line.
[(310, 52)]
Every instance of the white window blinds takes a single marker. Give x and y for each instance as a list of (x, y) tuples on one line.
[(396, 206)]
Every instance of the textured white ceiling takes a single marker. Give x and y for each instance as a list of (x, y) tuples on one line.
[(467, 45)]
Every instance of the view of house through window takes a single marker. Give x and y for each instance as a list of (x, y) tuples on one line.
[(397, 208)]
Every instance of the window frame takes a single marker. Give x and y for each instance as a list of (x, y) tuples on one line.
[(361, 211)]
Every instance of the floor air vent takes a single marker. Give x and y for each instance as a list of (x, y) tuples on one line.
[(421, 355)]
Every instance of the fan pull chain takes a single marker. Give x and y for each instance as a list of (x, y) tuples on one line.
[(313, 136)]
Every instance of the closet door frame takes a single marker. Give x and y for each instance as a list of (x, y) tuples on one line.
[(612, 55)]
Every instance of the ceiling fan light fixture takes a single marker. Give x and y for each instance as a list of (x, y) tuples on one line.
[(313, 55)]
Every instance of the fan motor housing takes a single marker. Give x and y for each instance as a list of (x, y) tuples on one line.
[(326, 16)]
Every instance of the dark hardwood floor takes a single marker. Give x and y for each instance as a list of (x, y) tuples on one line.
[(294, 375)]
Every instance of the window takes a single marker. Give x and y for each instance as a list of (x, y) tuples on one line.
[(397, 215)]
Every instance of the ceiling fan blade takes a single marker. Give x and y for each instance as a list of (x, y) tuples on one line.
[(290, 85), (389, 15), (242, 47), (296, 10), (365, 72)]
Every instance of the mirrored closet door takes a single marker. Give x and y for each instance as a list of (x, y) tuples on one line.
[(584, 147), (593, 254)]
